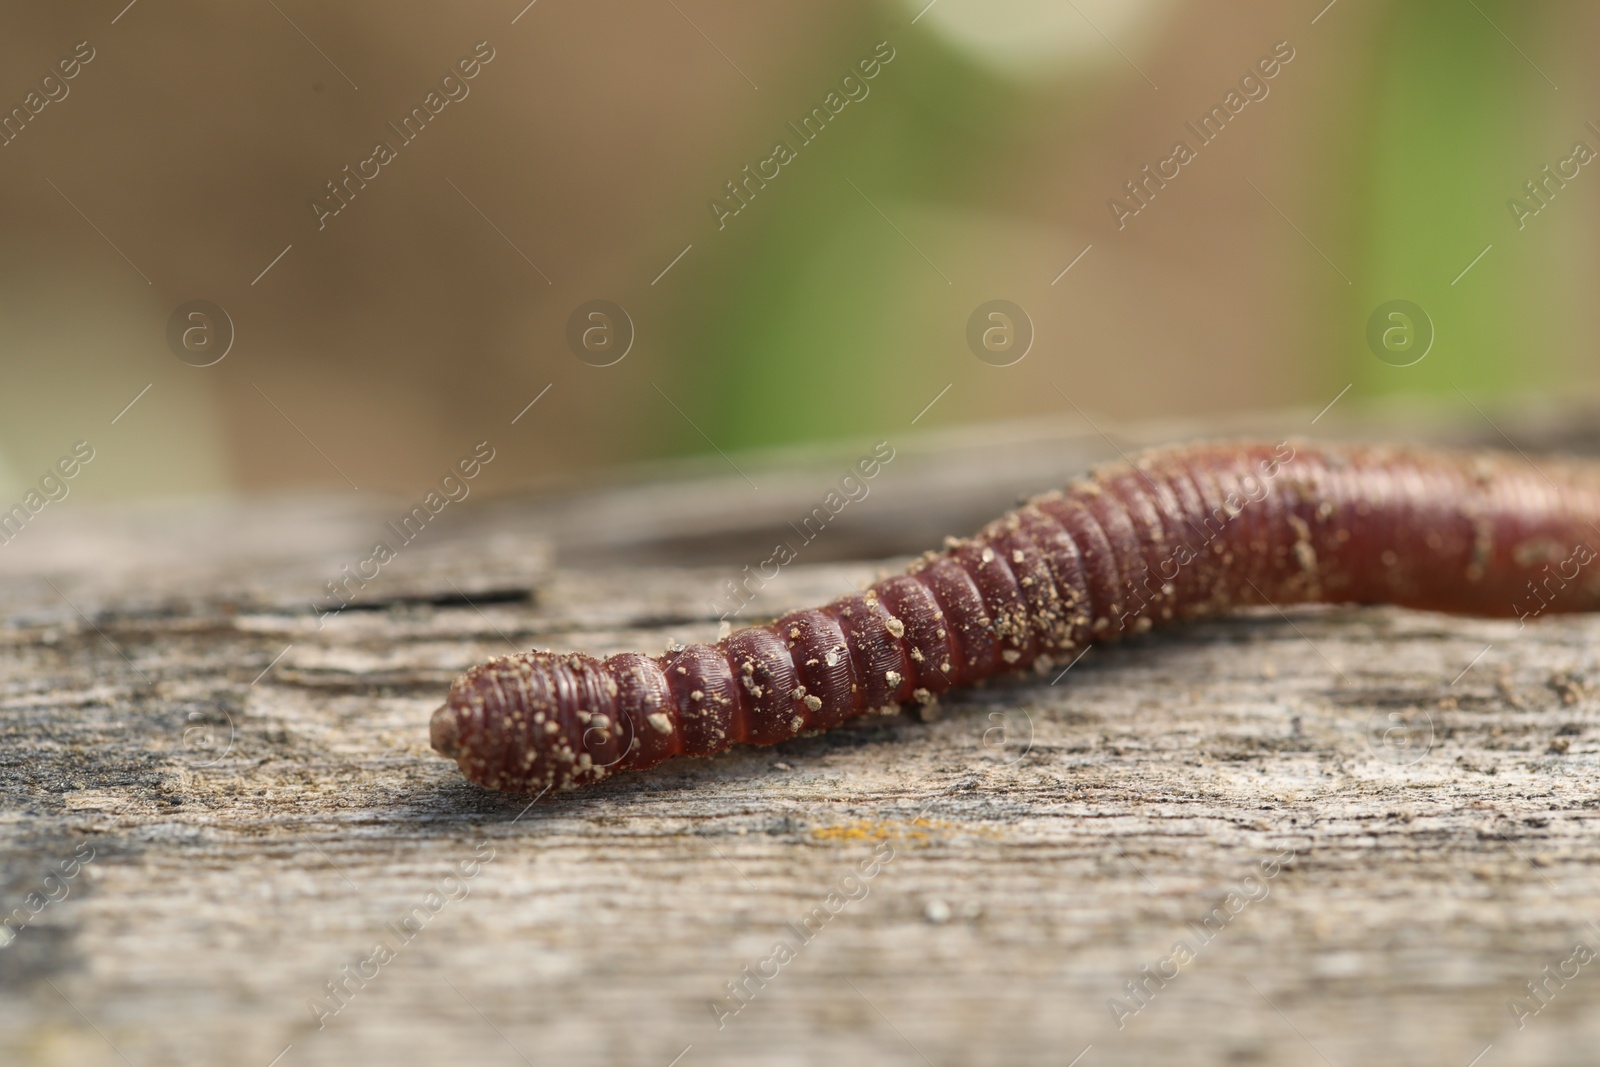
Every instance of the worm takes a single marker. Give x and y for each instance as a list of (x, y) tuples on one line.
[(1173, 534)]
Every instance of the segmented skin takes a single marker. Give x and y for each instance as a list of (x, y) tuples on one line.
[(1178, 533)]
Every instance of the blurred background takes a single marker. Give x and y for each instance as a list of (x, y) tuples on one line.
[(984, 159)]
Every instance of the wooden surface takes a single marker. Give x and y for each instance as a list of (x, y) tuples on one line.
[(263, 809)]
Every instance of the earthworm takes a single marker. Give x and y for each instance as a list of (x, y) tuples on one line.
[(1175, 533)]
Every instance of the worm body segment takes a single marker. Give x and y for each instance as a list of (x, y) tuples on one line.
[(1177, 533)]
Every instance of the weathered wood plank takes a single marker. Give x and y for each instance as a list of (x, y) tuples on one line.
[(263, 811)]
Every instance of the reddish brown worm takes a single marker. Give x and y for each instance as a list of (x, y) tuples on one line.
[(1177, 533)]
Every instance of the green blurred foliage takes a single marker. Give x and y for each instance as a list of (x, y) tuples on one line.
[(811, 295), (1457, 119)]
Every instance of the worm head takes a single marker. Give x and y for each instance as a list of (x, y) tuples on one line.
[(533, 721)]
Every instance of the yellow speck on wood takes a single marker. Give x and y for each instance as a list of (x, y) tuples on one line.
[(918, 831)]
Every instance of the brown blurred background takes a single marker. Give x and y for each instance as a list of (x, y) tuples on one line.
[(432, 309)]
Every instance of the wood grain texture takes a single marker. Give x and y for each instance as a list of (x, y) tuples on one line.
[(1426, 787)]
